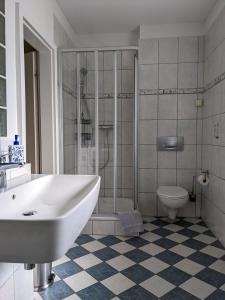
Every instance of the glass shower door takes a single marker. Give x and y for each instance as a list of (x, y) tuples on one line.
[(86, 121), (98, 122), (107, 130), (69, 103)]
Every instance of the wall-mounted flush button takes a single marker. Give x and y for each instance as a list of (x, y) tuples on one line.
[(170, 143)]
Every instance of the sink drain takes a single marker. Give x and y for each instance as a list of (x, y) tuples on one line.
[(29, 213)]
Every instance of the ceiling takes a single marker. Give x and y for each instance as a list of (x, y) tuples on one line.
[(108, 16)]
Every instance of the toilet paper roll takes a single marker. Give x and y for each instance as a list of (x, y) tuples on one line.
[(203, 180)]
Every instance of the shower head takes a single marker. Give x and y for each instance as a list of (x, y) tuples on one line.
[(83, 72)]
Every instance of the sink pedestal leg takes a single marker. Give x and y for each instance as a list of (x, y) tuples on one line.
[(43, 276)]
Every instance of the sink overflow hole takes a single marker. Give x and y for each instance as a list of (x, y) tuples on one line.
[(30, 213)]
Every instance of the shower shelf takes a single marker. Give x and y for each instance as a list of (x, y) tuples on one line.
[(84, 121)]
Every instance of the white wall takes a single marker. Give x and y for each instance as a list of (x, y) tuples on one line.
[(108, 40), (171, 30), (47, 19), (213, 149)]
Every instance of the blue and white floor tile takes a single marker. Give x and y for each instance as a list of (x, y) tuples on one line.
[(168, 262)]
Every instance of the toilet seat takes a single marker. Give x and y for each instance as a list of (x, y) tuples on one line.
[(173, 192)]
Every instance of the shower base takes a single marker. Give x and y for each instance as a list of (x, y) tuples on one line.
[(106, 204), (106, 222)]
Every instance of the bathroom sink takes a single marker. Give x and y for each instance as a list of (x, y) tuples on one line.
[(40, 220)]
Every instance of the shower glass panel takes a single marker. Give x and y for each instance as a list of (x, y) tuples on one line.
[(98, 95), (86, 82), (69, 104), (126, 149), (106, 130)]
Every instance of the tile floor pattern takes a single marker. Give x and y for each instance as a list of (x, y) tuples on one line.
[(168, 262)]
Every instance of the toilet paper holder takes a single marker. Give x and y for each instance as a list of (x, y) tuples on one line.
[(206, 174)]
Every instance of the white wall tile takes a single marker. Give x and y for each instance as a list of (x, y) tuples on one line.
[(148, 53), (147, 131), (23, 284), (188, 49), (7, 290), (148, 107), (167, 177), (187, 159), (148, 76), (167, 107), (167, 160), (200, 74), (6, 270), (185, 178), (187, 106), (147, 204), (168, 50), (167, 128), (147, 156), (187, 75), (187, 129), (147, 180), (167, 76)]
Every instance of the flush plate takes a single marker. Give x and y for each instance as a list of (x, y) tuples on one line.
[(170, 143)]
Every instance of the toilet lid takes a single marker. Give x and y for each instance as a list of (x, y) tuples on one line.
[(172, 191)]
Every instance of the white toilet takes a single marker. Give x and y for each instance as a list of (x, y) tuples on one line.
[(173, 197)]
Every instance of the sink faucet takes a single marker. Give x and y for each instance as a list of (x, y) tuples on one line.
[(3, 181), (4, 166), (3, 157)]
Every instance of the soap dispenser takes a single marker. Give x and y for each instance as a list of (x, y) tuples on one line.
[(16, 151)]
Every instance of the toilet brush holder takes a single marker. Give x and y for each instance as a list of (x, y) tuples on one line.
[(192, 194)]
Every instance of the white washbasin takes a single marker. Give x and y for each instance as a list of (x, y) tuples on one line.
[(63, 203)]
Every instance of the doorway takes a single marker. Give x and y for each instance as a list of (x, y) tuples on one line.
[(33, 130), (38, 118)]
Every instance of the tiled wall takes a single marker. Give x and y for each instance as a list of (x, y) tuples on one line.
[(213, 203), (15, 282), (170, 82)]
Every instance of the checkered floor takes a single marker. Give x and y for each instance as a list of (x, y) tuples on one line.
[(168, 262)]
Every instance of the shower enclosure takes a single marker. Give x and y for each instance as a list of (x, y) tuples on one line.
[(99, 112)]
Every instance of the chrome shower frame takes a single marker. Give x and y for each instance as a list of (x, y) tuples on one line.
[(135, 114)]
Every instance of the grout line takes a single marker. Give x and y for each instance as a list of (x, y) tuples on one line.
[(157, 129), (178, 69)]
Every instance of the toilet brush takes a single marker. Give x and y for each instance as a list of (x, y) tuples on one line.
[(192, 194)]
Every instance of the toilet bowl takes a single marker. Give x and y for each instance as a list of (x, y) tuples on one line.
[(172, 197)]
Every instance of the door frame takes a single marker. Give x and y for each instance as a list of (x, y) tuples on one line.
[(47, 89)]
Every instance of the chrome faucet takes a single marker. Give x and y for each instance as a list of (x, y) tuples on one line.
[(3, 157), (3, 181), (4, 166)]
